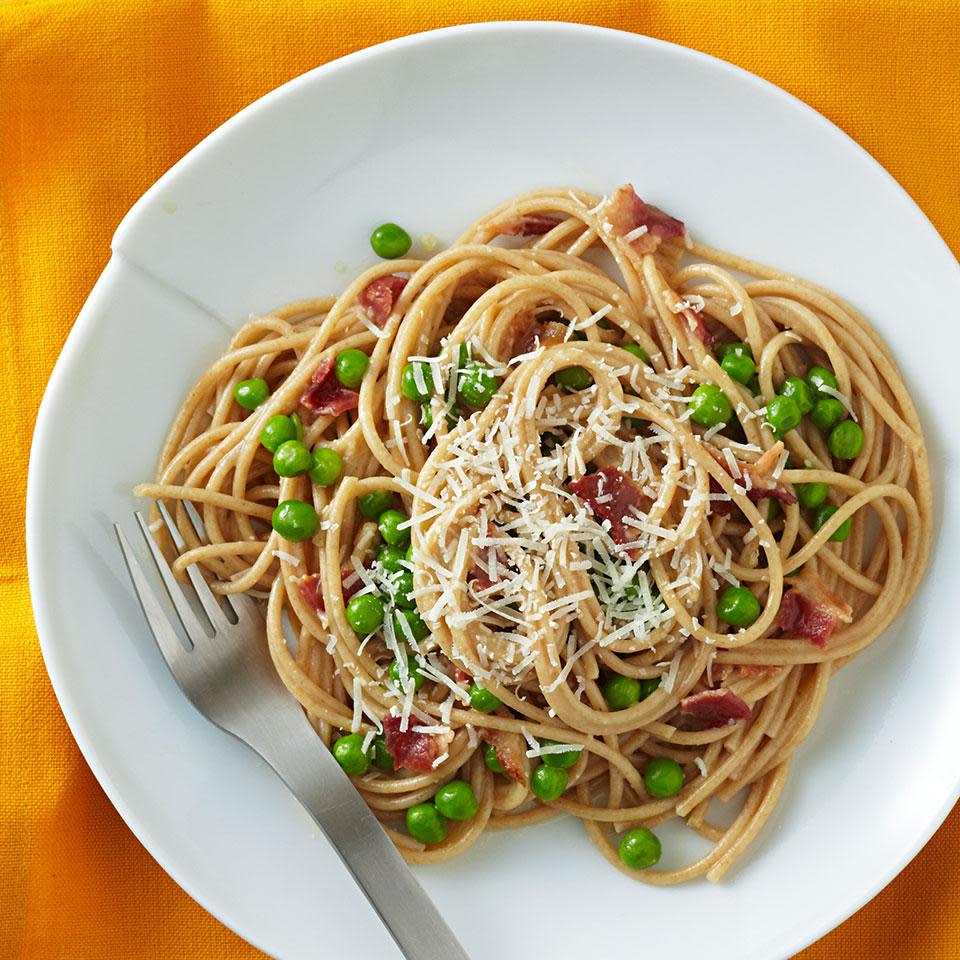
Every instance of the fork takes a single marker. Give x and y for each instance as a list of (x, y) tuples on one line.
[(228, 675)]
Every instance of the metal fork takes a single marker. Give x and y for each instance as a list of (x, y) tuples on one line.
[(229, 677)]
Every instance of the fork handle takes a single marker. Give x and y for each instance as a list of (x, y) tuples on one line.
[(326, 792)]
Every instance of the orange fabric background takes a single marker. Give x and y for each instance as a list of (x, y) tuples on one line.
[(97, 99)]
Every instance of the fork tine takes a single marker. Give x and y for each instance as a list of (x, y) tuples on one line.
[(167, 640), (195, 630), (207, 599), (237, 602)]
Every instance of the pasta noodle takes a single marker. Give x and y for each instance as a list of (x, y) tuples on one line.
[(606, 568)]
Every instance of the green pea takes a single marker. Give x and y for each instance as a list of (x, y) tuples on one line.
[(426, 416), (773, 510), (823, 513), (639, 849), (663, 777), (573, 378), (456, 800), (390, 529), (391, 558), (735, 349), (380, 756), (365, 613), (811, 495), (621, 692), (390, 241), (739, 367), (846, 440), (737, 606), (648, 686), (278, 429), (418, 629), (782, 415), (295, 520), (820, 377), (297, 426), (327, 466), (251, 393), (402, 584), (637, 351), (291, 459), (799, 392), (417, 677), (563, 760), (491, 759), (410, 554), (754, 386), (348, 751), (408, 382), (710, 406), (373, 504), (350, 366), (548, 783), (482, 700), (827, 411), (478, 384), (426, 823)]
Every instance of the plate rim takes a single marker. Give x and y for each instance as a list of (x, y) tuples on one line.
[(73, 714)]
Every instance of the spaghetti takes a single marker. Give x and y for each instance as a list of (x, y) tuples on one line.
[(655, 496)]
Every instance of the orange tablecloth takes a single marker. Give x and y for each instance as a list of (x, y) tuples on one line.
[(97, 99)]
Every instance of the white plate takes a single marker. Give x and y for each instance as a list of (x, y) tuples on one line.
[(277, 205)]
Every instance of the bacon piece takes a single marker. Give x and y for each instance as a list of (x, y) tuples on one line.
[(696, 322), (715, 708), (326, 394), (533, 331), (699, 327), (479, 574), (461, 677), (511, 751), (379, 296), (809, 610), (310, 588), (529, 225), (626, 212), (415, 751), (762, 484), (594, 488)]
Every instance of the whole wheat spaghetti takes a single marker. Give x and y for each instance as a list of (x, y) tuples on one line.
[(655, 494)]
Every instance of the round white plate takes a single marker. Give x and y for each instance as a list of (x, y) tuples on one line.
[(276, 205)]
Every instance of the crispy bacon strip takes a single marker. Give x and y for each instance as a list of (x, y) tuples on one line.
[(379, 296), (715, 708), (310, 587), (809, 610), (511, 751), (529, 225), (623, 493), (699, 326), (532, 331), (415, 751), (326, 394), (696, 322), (762, 484), (625, 213)]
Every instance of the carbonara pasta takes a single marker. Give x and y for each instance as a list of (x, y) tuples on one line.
[(576, 516)]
